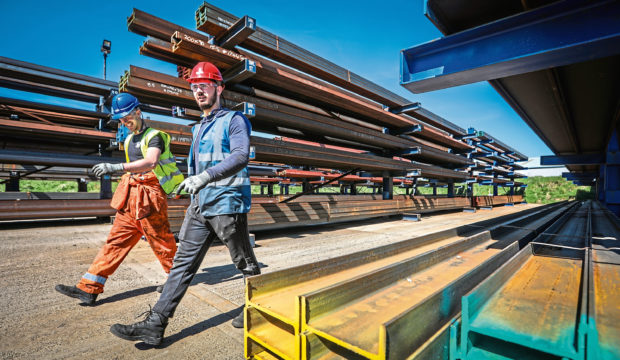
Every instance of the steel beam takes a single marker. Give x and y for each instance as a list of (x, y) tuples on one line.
[(277, 322), (237, 32), (579, 176), (404, 108), (245, 69), (578, 159), (562, 33)]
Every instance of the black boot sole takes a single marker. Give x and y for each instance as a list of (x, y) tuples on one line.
[(85, 301), (150, 340)]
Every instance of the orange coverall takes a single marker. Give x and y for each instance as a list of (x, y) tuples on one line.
[(142, 209)]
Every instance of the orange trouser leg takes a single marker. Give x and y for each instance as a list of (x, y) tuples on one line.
[(157, 232), (123, 237)]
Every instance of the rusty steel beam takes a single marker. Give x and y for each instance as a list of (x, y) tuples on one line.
[(271, 150), (306, 174), (264, 215), (65, 111), (72, 134), (37, 87), (162, 50), (53, 159), (478, 201), (21, 70), (145, 24), (318, 186)]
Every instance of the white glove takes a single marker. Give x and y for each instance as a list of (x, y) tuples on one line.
[(193, 184), (106, 168)]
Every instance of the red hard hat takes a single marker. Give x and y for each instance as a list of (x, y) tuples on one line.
[(205, 71)]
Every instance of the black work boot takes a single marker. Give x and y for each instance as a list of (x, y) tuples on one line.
[(150, 330), (238, 321), (74, 292)]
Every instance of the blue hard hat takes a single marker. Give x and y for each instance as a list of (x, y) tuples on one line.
[(123, 104)]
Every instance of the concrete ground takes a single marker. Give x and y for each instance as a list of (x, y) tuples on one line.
[(38, 322)]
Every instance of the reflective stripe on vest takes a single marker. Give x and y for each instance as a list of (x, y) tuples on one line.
[(231, 195), (166, 169)]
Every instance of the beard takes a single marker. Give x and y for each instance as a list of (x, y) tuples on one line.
[(207, 105)]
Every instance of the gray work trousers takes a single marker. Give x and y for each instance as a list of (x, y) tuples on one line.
[(196, 235)]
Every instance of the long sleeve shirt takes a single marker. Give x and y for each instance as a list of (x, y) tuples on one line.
[(239, 135)]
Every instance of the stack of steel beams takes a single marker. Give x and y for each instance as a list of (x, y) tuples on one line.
[(390, 302), (285, 98), (44, 127), (339, 120), (216, 22), (168, 90), (556, 298), (265, 214)]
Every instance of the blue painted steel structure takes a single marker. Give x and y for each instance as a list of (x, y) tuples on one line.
[(578, 159), (608, 186), (555, 62), (575, 30)]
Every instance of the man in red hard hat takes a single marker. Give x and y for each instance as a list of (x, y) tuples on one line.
[(140, 198), (219, 185)]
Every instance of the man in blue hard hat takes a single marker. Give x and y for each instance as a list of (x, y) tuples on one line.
[(220, 186), (140, 200)]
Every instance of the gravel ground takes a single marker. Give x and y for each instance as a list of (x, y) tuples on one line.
[(38, 322)]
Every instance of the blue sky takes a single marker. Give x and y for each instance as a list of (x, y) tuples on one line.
[(363, 36)]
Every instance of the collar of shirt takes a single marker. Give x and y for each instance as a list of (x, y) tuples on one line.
[(141, 131), (212, 115)]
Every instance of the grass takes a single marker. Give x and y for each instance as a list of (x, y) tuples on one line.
[(545, 190), (541, 190)]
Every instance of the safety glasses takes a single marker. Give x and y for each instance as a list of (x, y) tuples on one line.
[(202, 86)]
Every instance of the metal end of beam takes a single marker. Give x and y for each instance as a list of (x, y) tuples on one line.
[(412, 151), (414, 173), (412, 217), (406, 130), (243, 70), (246, 108), (237, 33), (404, 108)]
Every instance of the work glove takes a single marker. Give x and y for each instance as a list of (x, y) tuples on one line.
[(106, 168), (193, 184)]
